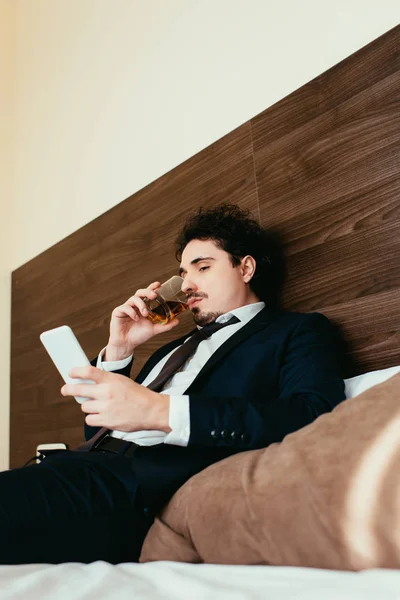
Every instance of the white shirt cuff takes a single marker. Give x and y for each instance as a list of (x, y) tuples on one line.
[(179, 421), (112, 365)]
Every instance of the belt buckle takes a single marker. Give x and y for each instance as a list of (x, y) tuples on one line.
[(124, 445), (97, 445)]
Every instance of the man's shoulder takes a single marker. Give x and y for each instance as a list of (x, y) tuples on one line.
[(302, 317), (293, 319)]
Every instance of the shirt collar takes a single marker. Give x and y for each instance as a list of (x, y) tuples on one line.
[(243, 313)]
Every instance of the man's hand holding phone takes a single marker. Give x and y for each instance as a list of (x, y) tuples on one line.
[(117, 402)]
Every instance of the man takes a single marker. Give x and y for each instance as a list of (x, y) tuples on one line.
[(250, 374)]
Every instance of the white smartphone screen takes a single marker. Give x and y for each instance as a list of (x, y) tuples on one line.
[(66, 353)]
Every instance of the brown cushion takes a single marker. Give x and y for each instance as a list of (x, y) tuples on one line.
[(327, 496)]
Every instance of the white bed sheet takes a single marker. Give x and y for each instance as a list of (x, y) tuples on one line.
[(178, 581)]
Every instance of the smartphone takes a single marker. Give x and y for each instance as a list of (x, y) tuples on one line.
[(66, 353)]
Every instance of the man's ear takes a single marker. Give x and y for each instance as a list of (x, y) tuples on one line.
[(247, 267)]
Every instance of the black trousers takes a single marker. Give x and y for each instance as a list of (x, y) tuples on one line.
[(72, 507)]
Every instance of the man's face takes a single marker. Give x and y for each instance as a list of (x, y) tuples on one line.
[(212, 284)]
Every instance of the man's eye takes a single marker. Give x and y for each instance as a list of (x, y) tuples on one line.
[(203, 268)]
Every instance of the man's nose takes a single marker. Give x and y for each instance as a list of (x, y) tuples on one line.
[(188, 286)]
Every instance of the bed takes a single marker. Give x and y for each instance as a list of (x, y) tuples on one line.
[(322, 167), (176, 581)]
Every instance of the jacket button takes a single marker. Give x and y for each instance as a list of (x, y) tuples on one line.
[(234, 435), (224, 433), (215, 434), (244, 437)]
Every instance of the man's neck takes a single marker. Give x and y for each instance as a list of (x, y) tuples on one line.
[(250, 300)]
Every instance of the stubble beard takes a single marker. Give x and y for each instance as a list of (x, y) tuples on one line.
[(204, 318)]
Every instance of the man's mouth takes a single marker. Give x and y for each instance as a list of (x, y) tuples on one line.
[(192, 301)]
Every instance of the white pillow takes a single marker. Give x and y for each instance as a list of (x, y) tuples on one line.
[(356, 385)]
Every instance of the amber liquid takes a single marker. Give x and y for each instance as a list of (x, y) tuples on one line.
[(163, 311)]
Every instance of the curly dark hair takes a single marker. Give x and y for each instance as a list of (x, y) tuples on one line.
[(235, 231)]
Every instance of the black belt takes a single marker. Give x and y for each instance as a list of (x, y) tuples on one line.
[(115, 446)]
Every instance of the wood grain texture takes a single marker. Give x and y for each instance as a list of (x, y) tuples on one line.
[(327, 162), (80, 280), (322, 166), (375, 62), (344, 269), (335, 174), (370, 325)]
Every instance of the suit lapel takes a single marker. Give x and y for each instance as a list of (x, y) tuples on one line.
[(260, 321)]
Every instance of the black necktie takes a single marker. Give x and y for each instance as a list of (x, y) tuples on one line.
[(181, 354), (175, 361)]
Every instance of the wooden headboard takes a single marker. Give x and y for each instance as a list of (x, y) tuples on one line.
[(322, 166)]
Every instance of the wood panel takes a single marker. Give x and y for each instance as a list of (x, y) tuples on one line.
[(370, 325), (81, 279), (344, 269), (327, 162), (375, 62), (307, 188)]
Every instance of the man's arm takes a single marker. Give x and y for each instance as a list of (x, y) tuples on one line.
[(91, 431), (310, 384)]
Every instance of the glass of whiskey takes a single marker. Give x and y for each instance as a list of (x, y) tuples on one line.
[(169, 303)]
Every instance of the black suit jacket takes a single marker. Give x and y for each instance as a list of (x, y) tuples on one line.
[(275, 375)]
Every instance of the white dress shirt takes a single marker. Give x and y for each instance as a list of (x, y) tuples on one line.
[(179, 414)]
